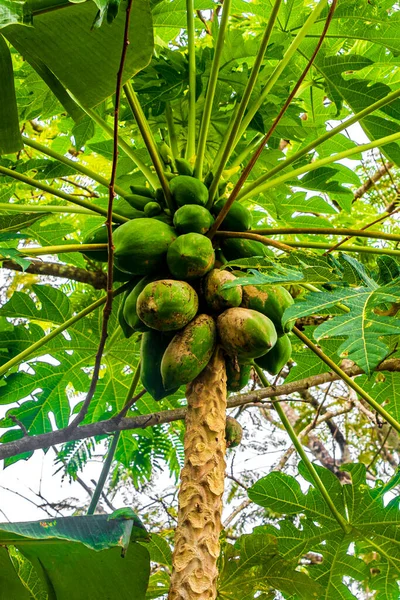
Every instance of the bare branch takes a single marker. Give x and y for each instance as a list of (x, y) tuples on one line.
[(98, 279), (381, 172), (110, 426)]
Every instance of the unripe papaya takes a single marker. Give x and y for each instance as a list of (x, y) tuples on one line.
[(270, 300), (154, 343), (121, 207), (152, 209), (234, 248), (190, 256), (188, 190), (142, 190), (136, 201), (167, 305), (184, 167), (237, 376), (129, 310), (193, 218), (98, 236), (216, 296), (141, 245), (233, 432), (277, 357), (237, 219), (188, 352), (246, 334), (126, 328)]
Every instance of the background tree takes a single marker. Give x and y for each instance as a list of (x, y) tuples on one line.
[(290, 111)]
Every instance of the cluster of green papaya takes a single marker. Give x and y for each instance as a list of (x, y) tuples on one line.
[(179, 300)]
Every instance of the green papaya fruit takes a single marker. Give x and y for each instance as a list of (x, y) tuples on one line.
[(188, 352), (121, 207), (237, 376), (142, 190), (98, 236), (141, 245), (237, 219), (234, 248), (270, 300), (184, 167), (126, 328), (245, 333), (166, 153), (233, 432), (136, 201), (167, 305), (160, 196), (216, 296), (277, 358), (193, 218), (188, 190), (129, 311), (152, 209), (190, 256), (152, 349)]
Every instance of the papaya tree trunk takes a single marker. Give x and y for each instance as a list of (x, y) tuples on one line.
[(194, 570)]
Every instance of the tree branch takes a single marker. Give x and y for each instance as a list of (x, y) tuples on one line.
[(381, 172), (110, 426), (96, 279)]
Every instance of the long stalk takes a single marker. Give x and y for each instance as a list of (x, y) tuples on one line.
[(111, 451), (250, 190), (281, 66), (73, 164), (151, 178), (254, 158), (60, 194), (253, 236), (334, 367), (212, 84), (379, 235), (61, 249), (44, 208), (173, 138), (344, 248), (229, 144), (47, 338), (149, 141), (317, 142), (300, 450), (191, 130)]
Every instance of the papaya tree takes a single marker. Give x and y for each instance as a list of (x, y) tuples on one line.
[(213, 187)]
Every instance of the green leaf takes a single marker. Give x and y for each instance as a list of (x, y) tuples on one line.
[(55, 306), (362, 326), (10, 136), (83, 131), (90, 71), (252, 566), (17, 222), (66, 551), (375, 530), (16, 256)]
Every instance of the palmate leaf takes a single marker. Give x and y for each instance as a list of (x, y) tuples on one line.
[(252, 566), (65, 365), (362, 327), (375, 529), (17, 222), (89, 71), (57, 555)]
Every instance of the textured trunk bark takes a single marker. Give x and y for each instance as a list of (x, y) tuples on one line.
[(194, 571)]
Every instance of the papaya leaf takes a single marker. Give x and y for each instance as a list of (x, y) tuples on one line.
[(66, 551), (90, 71), (16, 222), (362, 327), (375, 530), (252, 566)]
